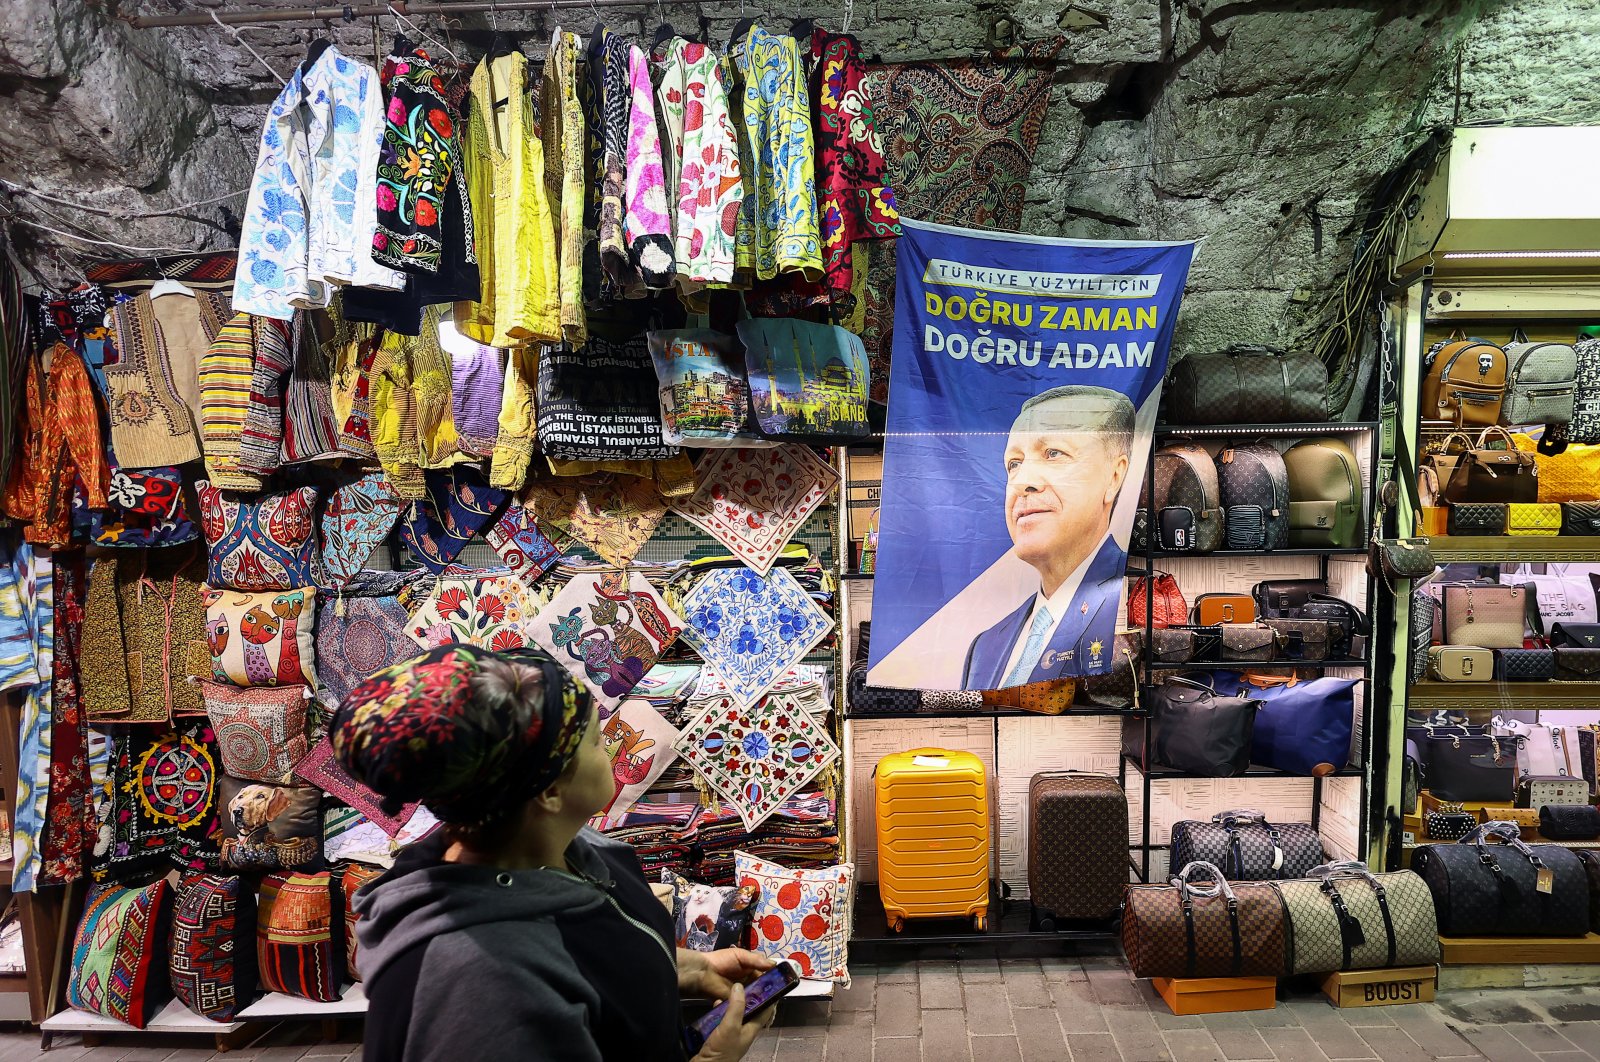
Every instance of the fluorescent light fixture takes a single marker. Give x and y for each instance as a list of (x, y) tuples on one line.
[(1521, 254)]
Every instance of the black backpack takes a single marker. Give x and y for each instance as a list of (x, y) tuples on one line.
[(1255, 496)]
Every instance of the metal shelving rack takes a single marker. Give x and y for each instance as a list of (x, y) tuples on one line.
[(1424, 306), (1148, 776)]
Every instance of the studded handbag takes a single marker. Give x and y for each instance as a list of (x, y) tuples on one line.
[(1450, 823), (1344, 917), (1510, 889), (1216, 929), (1246, 846)]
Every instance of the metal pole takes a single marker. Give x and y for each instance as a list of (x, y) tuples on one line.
[(354, 11)]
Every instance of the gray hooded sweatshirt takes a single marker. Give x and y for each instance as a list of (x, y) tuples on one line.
[(473, 964)]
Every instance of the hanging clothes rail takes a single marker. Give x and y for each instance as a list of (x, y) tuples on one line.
[(347, 12)]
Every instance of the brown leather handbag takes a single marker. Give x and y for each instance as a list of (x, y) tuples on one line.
[(1484, 474), (1217, 929)]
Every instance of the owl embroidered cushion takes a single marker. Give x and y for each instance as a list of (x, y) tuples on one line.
[(802, 915), (261, 732), (351, 878), (261, 639), (119, 966), (709, 917), (259, 543), (300, 936), (269, 827), (213, 945)]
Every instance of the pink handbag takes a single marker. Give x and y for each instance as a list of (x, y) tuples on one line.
[(1490, 617)]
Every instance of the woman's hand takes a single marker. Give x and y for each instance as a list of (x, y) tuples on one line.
[(713, 974), (733, 1037)]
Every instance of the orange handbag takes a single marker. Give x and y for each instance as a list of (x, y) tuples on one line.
[(1212, 609)]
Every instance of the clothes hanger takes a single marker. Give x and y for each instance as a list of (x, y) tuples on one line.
[(313, 53), (664, 32)]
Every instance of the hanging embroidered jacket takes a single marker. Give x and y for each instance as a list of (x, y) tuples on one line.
[(290, 416), (516, 240), (778, 223), (394, 416), (646, 226), (855, 202), (69, 821), (62, 441), (154, 385), (144, 633), (419, 156), (565, 178), (313, 206), (703, 174)]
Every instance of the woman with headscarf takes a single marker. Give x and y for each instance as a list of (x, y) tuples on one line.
[(514, 931)]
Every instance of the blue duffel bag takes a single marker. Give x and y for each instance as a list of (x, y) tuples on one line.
[(1304, 726)]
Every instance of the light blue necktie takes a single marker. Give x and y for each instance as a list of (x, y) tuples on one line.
[(1030, 650)]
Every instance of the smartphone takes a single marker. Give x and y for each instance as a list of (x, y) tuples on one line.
[(759, 994)]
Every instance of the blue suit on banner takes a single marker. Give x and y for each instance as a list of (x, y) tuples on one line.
[(1089, 625)]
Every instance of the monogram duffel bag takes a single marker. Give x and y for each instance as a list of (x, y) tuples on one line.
[(1509, 889), (1215, 929), (1344, 917), (1247, 847)]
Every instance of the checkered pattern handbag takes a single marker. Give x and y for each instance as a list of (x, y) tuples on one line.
[(1212, 930)]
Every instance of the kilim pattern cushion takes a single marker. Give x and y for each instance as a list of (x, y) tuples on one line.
[(351, 878), (261, 732), (297, 925), (118, 962), (213, 945)]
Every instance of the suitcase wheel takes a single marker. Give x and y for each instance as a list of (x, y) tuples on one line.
[(897, 923), (1046, 924), (980, 922)]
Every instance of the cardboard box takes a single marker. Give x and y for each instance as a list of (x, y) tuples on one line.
[(1433, 803), (1217, 995), (1411, 829), (863, 491), (1382, 988)]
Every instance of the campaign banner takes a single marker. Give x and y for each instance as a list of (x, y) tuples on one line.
[(1023, 389)]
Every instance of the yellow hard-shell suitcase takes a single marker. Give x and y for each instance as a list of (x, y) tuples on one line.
[(933, 836)]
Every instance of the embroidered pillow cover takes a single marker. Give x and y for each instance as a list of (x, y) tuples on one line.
[(639, 741), (161, 802), (261, 544), (260, 639), (347, 834), (361, 628), (608, 630), (756, 757), (751, 628), (355, 521), (753, 501), (297, 927), (459, 505), (802, 915), (261, 732), (147, 511), (213, 945), (323, 770), (119, 964), (487, 610), (525, 549)]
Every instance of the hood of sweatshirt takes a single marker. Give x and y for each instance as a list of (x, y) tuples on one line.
[(422, 897)]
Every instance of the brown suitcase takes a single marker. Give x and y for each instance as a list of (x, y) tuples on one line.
[(1077, 847), (1210, 929)]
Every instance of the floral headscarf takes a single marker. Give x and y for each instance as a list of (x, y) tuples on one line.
[(418, 731)]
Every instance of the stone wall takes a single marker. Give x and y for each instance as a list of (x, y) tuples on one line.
[(1262, 126)]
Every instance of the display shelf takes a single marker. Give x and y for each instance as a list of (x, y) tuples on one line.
[(1010, 933), (173, 1018), (1491, 549), (1156, 773), (1258, 665), (1472, 695), (1224, 554), (275, 1006), (861, 576), (1084, 712), (1305, 428)]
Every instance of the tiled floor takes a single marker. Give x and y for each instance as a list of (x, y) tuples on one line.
[(1055, 1010)]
